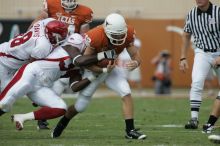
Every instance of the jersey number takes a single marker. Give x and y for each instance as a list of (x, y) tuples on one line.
[(21, 40)]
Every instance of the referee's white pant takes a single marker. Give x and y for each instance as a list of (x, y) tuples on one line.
[(201, 67)]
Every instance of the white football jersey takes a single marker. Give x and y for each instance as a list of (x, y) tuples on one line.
[(58, 62), (20, 49)]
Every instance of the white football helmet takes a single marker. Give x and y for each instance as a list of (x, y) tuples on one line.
[(69, 4), (115, 29)]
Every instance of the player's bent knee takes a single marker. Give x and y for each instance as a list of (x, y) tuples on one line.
[(81, 104), (125, 94), (60, 105)]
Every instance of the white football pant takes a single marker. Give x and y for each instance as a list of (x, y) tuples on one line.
[(30, 80), (113, 80)]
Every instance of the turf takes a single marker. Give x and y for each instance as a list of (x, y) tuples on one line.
[(102, 125)]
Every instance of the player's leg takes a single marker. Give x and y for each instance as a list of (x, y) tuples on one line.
[(52, 106), (21, 83), (83, 99), (120, 85), (208, 127), (201, 67), (158, 87), (6, 75), (58, 87)]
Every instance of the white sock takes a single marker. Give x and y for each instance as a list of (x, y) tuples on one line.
[(28, 116), (195, 114)]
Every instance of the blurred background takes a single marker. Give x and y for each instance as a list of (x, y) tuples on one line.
[(157, 23)]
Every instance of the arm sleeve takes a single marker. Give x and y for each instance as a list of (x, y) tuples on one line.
[(187, 27)]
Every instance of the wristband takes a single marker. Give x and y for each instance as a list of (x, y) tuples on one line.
[(181, 59), (73, 83), (100, 56), (74, 59), (91, 78), (104, 70)]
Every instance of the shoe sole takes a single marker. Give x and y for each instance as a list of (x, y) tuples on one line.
[(45, 128), (142, 137), (18, 125), (52, 136), (206, 132), (139, 138), (214, 139)]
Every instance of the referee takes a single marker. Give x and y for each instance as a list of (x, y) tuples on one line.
[(203, 22)]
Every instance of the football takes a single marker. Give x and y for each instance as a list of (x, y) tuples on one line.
[(103, 63)]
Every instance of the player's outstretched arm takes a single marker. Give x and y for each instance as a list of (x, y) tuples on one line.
[(86, 60), (76, 81)]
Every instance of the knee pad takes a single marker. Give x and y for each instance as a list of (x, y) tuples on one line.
[(82, 103)]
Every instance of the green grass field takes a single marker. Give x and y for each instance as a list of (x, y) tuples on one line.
[(102, 125)]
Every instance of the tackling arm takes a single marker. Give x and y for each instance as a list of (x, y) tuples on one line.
[(76, 81), (94, 68), (78, 59), (89, 58), (109, 54)]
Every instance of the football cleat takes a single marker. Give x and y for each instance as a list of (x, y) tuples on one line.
[(134, 134), (57, 130), (192, 124), (42, 125), (207, 128), (18, 121), (214, 138)]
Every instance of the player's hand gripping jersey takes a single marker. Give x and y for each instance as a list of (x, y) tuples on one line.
[(75, 17), (32, 44)]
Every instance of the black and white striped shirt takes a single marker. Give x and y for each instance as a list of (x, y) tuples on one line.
[(205, 28)]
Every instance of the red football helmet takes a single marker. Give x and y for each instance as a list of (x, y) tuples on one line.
[(56, 31)]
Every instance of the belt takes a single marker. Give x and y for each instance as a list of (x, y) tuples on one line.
[(10, 56), (212, 51)]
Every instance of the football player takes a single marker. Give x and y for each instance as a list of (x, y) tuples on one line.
[(37, 43), (36, 79), (113, 34), (77, 16)]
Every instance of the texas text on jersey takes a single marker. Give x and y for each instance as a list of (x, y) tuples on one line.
[(78, 16)]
